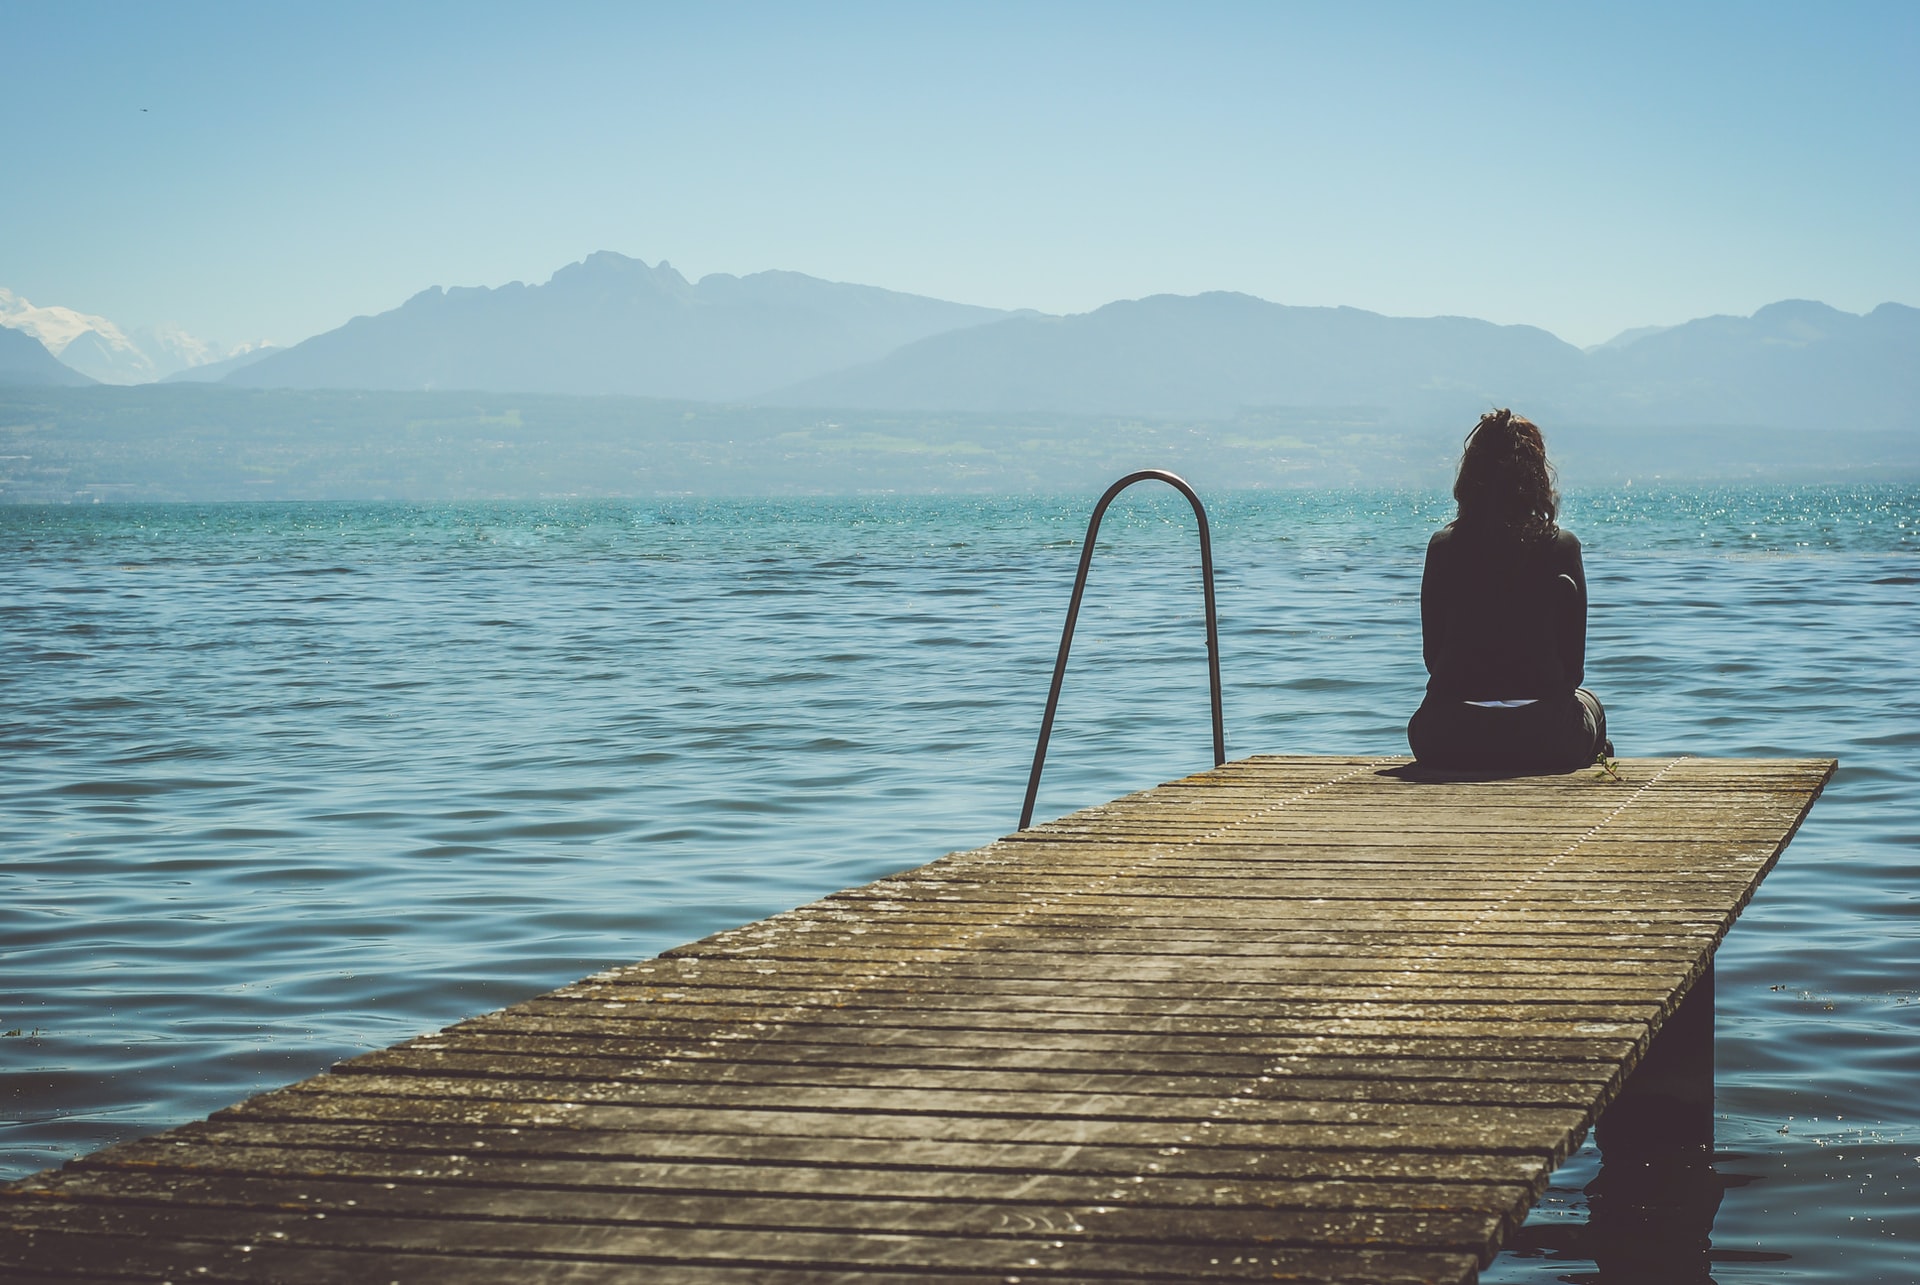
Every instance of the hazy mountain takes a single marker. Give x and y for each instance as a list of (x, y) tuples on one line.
[(171, 349), (1626, 337), (91, 345), (1207, 355), (98, 348), (109, 356), (214, 371), (1790, 364), (24, 360), (612, 324)]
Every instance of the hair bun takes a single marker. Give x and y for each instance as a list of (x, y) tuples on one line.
[(1505, 482)]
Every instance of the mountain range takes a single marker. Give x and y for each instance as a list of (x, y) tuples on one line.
[(1790, 364), (612, 324), (615, 325), (104, 352), (1205, 355)]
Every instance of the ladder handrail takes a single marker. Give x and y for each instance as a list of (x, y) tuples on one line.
[(1073, 612)]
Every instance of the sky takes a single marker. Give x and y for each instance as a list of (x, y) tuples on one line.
[(269, 171)]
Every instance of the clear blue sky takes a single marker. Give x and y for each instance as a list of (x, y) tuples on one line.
[(1579, 166)]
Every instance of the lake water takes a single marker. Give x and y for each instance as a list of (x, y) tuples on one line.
[(282, 783)]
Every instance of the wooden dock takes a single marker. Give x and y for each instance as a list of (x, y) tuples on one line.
[(1304, 1019)]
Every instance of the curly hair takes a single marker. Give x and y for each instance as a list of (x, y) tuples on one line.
[(1505, 485)]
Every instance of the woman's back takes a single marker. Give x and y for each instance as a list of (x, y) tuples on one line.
[(1498, 621)]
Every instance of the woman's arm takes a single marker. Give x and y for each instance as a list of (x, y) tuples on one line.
[(1432, 618), (1571, 639)]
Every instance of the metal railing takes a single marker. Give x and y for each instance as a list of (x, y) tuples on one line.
[(1073, 612)]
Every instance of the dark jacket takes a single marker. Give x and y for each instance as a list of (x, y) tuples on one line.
[(1497, 620)]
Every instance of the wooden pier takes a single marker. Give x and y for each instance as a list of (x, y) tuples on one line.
[(1303, 1019)]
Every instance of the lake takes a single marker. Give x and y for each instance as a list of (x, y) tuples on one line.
[(281, 783)]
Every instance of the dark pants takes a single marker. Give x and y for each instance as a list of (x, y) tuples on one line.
[(1554, 735)]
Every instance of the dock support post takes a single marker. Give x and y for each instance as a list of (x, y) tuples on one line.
[(1651, 1208), (1667, 1103)]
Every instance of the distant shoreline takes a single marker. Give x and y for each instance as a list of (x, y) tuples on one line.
[(204, 443)]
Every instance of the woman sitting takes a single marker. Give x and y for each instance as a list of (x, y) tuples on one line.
[(1503, 617)]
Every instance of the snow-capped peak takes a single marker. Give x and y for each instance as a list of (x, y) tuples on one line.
[(96, 346)]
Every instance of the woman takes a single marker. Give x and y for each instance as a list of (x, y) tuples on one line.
[(1503, 615)]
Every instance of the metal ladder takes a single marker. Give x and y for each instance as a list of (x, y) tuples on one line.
[(1073, 612)]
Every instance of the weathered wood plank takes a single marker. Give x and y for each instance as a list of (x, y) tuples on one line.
[(1050, 1246), (453, 1140), (484, 1193), (1150, 1061), (1085, 1129), (220, 1170), (46, 1254), (441, 1064)]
